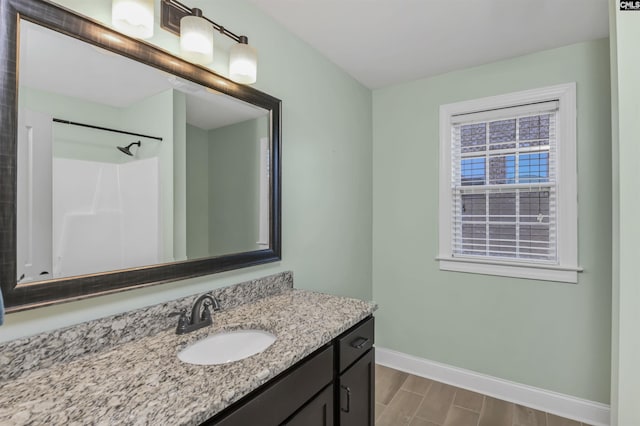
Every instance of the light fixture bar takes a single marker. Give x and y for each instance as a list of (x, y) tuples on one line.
[(196, 33), (172, 11)]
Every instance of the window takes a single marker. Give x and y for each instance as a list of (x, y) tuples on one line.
[(508, 198)]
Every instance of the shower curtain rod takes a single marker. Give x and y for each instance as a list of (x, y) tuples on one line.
[(73, 123)]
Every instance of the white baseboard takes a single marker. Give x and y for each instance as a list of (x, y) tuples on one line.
[(590, 412)]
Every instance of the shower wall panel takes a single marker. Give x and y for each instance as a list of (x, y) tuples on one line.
[(105, 216)]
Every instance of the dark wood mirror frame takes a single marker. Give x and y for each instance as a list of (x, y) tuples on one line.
[(32, 295)]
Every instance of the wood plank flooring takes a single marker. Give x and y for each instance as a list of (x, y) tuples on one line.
[(406, 400)]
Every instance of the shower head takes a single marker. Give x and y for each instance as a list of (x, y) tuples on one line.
[(127, 149)]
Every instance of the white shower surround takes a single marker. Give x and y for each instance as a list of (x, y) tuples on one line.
[(105, 216)]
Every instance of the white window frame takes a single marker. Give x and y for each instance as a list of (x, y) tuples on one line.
[(566, 269)]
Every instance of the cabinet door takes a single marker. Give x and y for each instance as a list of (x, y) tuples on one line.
[(356, 392), (318, 412), (279, 399)]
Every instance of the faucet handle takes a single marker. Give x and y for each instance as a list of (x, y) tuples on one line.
[(183, 322), (209, 302), (205, 316), (215, 304)]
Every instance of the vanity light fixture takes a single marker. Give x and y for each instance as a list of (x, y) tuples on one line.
[(196, 40), (243, 62), (133, 17)]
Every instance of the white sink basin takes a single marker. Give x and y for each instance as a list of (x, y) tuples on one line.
[(225, 347)]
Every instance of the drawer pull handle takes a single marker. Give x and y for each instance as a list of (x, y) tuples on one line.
[(348, 399), (359, 343)]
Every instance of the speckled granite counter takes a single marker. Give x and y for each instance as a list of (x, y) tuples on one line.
[(142, 381)]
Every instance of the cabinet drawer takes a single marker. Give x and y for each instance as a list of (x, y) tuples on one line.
[(354, 344), (273, 405)]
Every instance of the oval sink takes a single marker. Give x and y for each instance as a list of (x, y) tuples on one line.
[(225, 347)]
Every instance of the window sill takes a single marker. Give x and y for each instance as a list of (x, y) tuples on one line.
[(511, 269)]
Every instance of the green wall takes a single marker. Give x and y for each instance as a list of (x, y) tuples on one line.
[(326, 174), (223, 188), (156, 113), (549, 335), (625, 88), (72, 141), (234, 192), (179, 175), (197, 192)]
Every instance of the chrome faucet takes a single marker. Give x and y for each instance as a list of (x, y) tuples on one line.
[(200, 315)]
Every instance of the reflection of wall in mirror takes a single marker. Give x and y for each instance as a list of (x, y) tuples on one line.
[(263, 182), (154, 115), (81, 144), (210, 200), (223, 181), (197, 193)]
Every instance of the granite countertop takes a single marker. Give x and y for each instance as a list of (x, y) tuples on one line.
[(143, 382)]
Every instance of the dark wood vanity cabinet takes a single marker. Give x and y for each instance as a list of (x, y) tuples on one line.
[(356, 376), (334, 386)]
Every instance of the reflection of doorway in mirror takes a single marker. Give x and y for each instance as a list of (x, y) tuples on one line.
[(33, 219), (263, 226)]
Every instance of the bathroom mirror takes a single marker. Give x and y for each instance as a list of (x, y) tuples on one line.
[(124, 166)]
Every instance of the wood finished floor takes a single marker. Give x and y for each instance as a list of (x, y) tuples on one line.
[(406, 400)]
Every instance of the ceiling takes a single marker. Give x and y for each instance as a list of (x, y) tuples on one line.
[(56, 63), (385, 42)]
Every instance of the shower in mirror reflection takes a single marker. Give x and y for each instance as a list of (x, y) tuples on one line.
[(127, 149)]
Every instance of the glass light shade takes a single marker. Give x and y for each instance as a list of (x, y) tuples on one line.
[(196, 40), (243, 63), (133, 17)]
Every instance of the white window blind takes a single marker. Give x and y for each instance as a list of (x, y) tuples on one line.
[(504, 184)]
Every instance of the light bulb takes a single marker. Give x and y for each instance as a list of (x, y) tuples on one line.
[(196, 39), (133, 17), (243, 62)]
